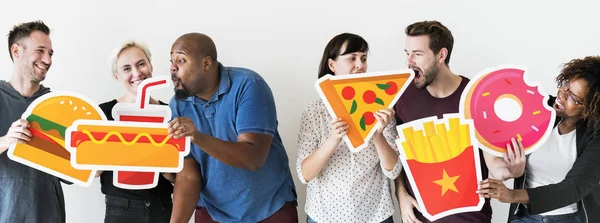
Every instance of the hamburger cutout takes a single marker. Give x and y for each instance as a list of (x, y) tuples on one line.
[(48, 117), (136, 145)]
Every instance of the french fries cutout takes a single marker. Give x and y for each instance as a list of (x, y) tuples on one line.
[(442, 163), (136, 145), (48, 117)]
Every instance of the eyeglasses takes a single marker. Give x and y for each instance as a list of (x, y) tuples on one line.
[(564, 87)]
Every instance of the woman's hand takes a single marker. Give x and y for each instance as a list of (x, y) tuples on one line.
[(338, 129), (491, 188), (515, 159), (383, 116)]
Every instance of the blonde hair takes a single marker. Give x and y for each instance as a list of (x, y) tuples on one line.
[(114, 56)]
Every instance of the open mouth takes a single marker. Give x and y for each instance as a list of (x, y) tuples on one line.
[(418, 73), (558, 105)]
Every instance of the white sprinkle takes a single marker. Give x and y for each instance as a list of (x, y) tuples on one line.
[(534, 128), (62, 102), (70, 102), (88, 113), (530, 92), (484, 115), (74, 108), (83, 108)]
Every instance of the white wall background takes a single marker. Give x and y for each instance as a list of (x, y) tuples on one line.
[(284, 40)]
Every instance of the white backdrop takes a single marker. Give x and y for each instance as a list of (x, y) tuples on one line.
[(284, 40)]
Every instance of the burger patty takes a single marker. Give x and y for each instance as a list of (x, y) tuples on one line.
[(49, 147)]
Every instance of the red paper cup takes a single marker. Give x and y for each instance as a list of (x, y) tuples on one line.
[(154, 114)]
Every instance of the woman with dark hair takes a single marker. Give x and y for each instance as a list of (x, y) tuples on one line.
[(561, 179), (345, 186)]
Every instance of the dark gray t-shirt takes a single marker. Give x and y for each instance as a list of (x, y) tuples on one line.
[(26, 194)]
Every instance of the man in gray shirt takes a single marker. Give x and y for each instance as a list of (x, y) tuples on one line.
[(26, 194)]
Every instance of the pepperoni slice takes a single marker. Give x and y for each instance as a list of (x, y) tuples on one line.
[(369, 118), (348, 93), (369, 97), (392, 89)]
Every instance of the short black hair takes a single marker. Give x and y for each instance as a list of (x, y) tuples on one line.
[(23, 30)]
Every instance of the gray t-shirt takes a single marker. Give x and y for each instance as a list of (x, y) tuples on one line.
[(26, 194)]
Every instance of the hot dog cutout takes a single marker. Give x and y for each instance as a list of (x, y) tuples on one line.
[(125, 146), (136, 145)]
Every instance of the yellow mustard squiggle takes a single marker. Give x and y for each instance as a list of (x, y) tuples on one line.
[(89, 134)]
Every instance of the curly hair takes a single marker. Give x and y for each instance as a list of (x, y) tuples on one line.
[(587, 68)]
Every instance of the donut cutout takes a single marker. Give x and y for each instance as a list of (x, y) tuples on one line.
[(502, 106)]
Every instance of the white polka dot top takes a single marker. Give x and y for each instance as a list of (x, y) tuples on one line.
[(352, 187)]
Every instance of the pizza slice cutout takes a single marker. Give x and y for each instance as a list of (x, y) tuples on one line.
[(356, 98)]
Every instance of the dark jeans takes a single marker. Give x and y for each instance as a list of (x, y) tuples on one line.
[(121, 210), (566, 218), (285, 214)]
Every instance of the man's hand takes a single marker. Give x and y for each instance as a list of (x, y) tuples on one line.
[(407, 203), (182, 127), (17, 133)]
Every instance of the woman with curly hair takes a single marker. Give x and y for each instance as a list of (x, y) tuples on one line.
[(561, 181)]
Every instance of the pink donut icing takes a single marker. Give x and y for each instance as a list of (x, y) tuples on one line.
[(493, 132)]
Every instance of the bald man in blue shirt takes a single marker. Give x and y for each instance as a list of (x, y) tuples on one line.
[(238, 169)]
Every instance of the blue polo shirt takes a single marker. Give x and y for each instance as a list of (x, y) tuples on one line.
[(243, 104)]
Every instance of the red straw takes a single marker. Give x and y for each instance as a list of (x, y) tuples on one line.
[(145, 89)]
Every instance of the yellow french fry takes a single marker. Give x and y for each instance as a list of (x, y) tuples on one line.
[(440, 153), (453, 136), (408, 134), (429, 129), (420, 151), (465, 138), (442, 134), (430, 150), (408, 150)]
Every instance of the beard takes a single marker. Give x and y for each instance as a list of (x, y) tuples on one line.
[(428, 76), (180, 93), (31, 72)]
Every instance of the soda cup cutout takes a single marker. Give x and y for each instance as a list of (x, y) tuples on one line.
[(141, 111)]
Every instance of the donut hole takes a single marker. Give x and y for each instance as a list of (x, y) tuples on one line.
[(508, 108)]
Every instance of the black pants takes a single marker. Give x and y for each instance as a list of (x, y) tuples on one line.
[(121, 210)]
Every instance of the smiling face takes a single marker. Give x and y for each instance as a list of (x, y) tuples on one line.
[(34, 56), (132, 67), (569, 101), (422, 60)]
